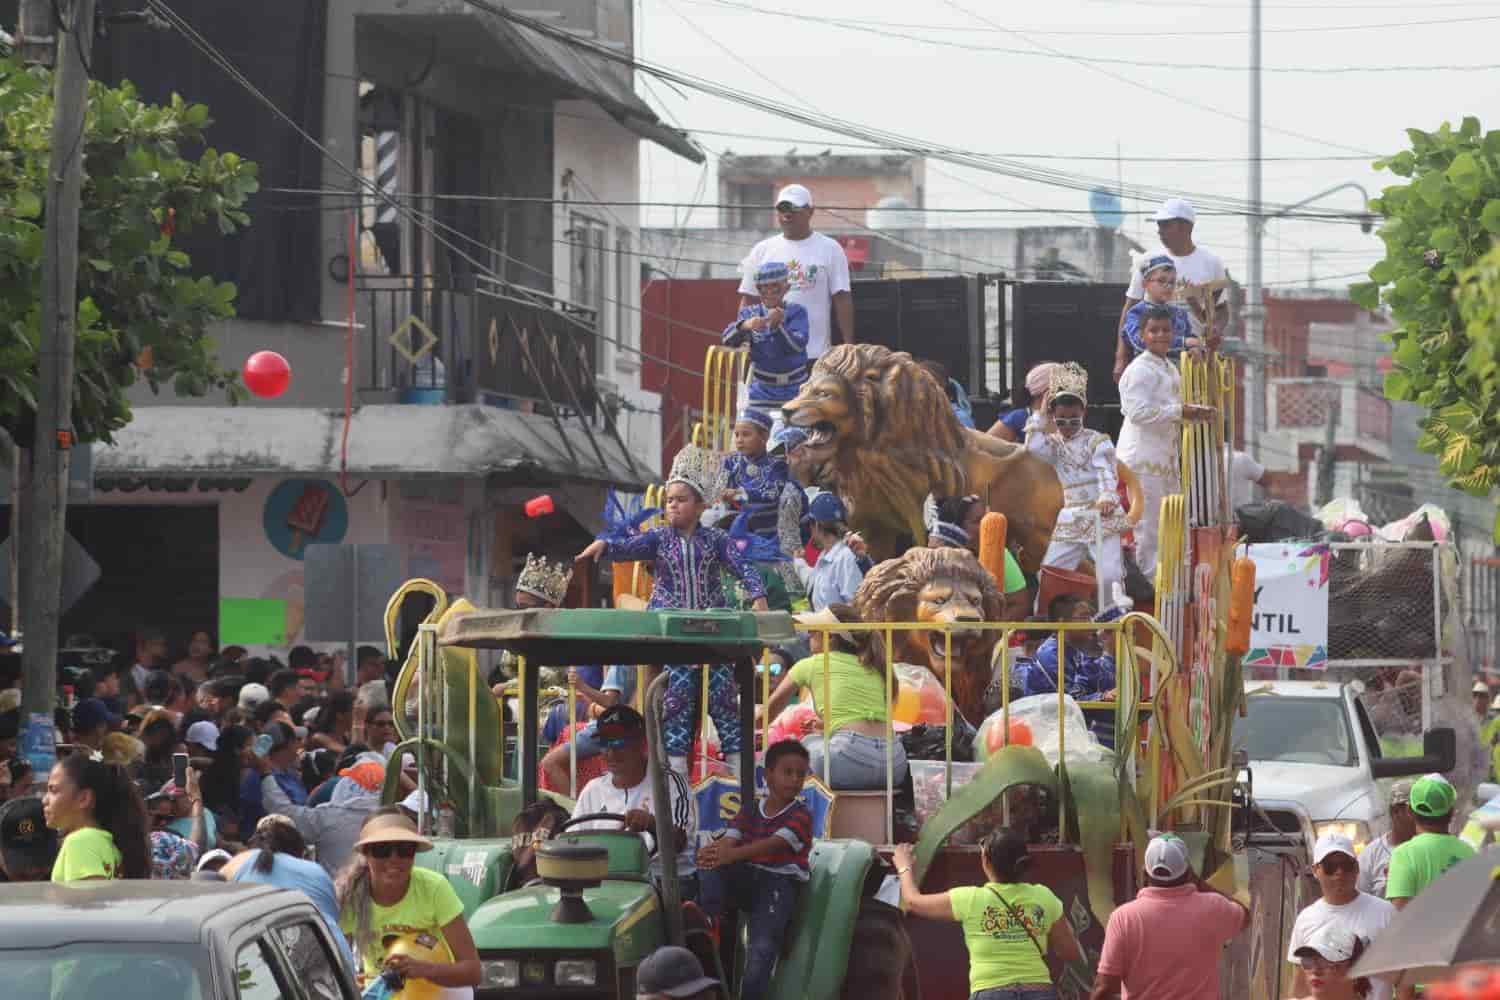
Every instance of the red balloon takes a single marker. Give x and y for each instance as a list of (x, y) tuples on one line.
[(267, 374)]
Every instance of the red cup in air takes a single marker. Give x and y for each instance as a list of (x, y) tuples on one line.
[(540, 506)]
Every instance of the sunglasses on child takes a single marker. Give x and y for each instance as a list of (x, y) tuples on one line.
[(1068, 421), (382, 851)]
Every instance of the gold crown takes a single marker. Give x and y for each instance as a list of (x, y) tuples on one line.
[(546, 581), (701, 468), (1069, 379)]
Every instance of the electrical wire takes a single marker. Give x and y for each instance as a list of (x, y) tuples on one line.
[(1152, 64), (1163, 32), (858, 131)]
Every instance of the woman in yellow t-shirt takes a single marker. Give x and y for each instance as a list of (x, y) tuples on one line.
[(393, 911), (1010, 926), (102, 818), (858, 701)]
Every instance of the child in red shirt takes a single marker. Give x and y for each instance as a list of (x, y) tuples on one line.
[(759, 864)]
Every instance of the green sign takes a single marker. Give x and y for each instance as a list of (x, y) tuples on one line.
[(252, 621)]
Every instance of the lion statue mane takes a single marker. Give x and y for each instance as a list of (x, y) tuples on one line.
[(882, 435), (940, 586)]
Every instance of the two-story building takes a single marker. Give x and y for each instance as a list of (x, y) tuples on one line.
[(461, 342)]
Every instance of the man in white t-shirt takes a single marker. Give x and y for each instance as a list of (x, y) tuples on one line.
[(626, 791), (1337, 871), (1195, 266), (817, 271), (1244, 473)]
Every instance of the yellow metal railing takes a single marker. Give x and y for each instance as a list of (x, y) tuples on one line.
[(1126, 663), (724, 370)]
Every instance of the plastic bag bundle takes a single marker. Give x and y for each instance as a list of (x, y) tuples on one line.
[(1034, 722)]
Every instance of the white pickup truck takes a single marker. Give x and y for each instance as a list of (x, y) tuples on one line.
[(1314, 759)]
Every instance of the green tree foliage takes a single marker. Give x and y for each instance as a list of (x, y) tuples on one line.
[(142, 314), (1441, 280)]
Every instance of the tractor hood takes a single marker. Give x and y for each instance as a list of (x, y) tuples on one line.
[(626, 918)]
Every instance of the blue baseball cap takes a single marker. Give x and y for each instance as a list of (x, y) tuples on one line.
[(91, 712), (826, 506)]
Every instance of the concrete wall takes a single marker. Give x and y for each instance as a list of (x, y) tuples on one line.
[(597, 160)]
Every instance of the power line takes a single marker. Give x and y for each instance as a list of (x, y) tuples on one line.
[(1153, 64), (1308, 216), (854, 129), (1164, 32)]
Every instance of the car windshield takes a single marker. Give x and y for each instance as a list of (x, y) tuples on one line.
[(1295, 730), (102, 972)]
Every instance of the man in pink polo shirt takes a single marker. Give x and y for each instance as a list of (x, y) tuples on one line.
[(1165, 944)]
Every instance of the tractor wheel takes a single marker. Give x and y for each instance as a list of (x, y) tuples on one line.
[(880, 961)]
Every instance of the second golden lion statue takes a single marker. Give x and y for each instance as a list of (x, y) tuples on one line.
[(882, 435)]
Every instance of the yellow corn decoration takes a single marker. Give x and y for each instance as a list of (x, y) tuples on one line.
[(1241, 607), (992, 529)]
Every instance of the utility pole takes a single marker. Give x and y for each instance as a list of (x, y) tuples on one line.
[(36, 41), (1255, 316), (47, 499)]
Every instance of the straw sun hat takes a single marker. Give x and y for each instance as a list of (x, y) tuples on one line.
[(391, 829)]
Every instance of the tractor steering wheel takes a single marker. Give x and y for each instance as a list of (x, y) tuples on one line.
[(591, 817)]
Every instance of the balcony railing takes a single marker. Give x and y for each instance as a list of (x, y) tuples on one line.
[(1305, 409), (480, 341)]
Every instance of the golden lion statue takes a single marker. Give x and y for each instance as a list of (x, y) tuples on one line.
[(883, 436), (938, 586)]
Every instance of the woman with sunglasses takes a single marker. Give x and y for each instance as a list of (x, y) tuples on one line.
[(384, 898), (1010, 925), (1325, 960)]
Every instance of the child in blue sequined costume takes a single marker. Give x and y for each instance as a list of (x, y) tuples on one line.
[(688, 560), (776, 332), (1090, 671)]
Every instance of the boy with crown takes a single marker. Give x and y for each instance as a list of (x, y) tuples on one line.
[(776, 332), (689, 560), (1085, 463), (542, 584)]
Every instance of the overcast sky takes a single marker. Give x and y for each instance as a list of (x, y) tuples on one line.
[(1010, 103)]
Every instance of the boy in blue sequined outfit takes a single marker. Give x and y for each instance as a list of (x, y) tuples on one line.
[(776, 332), (688, 560), (1159, 279), (1090, 670)]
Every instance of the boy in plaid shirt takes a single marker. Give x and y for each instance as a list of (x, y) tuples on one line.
[(759, 864)]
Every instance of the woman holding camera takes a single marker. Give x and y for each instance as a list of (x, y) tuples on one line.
[(1010, 925)]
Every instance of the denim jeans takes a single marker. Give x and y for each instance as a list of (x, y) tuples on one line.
[(1011, 993), (856, 762), (768, 898)]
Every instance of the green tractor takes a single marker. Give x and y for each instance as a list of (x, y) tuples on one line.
[(583, 926)]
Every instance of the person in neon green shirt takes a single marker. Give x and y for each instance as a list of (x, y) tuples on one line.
[(1423, 859), (386, 901), (102, 818), (853, 742), (1010, 926)]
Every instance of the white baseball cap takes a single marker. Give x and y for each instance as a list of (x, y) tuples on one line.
[(205, 734), (1332, 843), (1334, 942), (796, 195), (1166, 858), (1175, 208), (253, 695)]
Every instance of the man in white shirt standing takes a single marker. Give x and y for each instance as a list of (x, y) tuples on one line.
[(817, 271), (1244, 473), (1195, 266), (1337, 870)]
